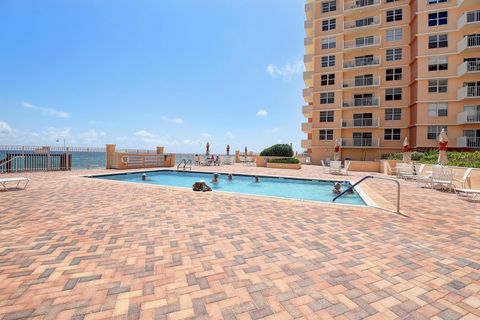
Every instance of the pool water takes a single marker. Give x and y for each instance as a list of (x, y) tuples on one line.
[(299, 189)]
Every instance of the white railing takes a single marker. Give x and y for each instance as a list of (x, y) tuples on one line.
[(361, 23), (362, 82), (361, 62), (361, 143), (361, 102), (35, 162), (361, 123), (471, 41), (307, 92), (363, 43), (469, 67), (307, 75), (468, 142), (306, 126), (468, 92), (308, 41), (307, 109), (352, 5), (306, 144), (468, 117), (467, 18)]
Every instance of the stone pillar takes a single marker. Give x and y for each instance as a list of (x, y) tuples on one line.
[(237, 156), (110, 151), (160, 150)]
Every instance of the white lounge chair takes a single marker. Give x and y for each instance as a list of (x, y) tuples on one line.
[(344, 171), (14, 181), (325, 168), (464, 180), (335, 167), (442, 178), (404, 170), (468, 194)]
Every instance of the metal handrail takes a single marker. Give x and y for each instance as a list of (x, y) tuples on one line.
[(372, 177), (186, 163), (4, 164)]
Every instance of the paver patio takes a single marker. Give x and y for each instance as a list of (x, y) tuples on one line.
[(78, 248)]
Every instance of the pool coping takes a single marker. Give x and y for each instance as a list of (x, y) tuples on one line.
[(369, 202)]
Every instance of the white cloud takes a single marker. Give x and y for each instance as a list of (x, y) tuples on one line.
[(230, 135), (149, 137), (5, 129), (91, 136), (52, 133), (287, 70), (272, 130), (49, 112), (206, 135), (262, 113), (173, 120)]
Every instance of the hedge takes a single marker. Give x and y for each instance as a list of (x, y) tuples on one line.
[(278, 150), (455, 158), (284, 160)]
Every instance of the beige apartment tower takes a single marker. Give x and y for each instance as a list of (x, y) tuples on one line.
[(378, 71)]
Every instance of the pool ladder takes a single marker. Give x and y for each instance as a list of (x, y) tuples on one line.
[(185, 164), (372, 177)]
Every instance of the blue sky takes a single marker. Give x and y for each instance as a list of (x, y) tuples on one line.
[(142, 73)]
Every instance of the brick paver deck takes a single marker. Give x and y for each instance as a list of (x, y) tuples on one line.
[(77, 248)]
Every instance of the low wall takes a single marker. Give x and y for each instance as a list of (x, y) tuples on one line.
[(284, 165), (365, 166)]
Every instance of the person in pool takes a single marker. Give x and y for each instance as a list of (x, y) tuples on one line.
[(337, 188), (144, 177), (201, 186), (215, 178), (230, 177), (257, 180)]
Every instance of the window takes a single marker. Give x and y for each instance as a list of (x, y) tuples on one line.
[(328, 61), (393, 94), (391, 1), (329, 6), (327, 97), (437, 18), (438, 41), (364, 41), (434, 131), (393, 114), (435, 1), (391, 134), (329, 24), (437, 86), (364, 80), (437, 63), (326, 134), (439, 109), (393, 54), (394, 15), (327, 79), (326, 116), (393, 74), (394, 34), (329, 43)]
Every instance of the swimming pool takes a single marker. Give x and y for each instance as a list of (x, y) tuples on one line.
[(290, 188)]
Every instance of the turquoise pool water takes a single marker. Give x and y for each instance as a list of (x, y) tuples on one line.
[(300, 189)]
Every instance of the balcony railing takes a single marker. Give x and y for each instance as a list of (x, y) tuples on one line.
[(469, 92), (469, 67), (468, 142), (361, 143), (306, 144), (361, 102), (361, 43), (306, 127), (307, 110), (468, 117), (307, 75), (361, 23), (359, 4), (468, 18), (362, 82), (469, 42), (361, 123), (362, 62)]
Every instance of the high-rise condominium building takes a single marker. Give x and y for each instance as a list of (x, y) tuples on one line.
[(378, 71)]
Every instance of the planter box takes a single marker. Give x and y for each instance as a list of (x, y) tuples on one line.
[(365, 166), (284, 165)]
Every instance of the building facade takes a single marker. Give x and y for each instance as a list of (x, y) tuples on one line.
[(378, 71)]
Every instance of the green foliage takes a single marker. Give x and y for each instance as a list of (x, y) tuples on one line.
[(285, 160), (278, 150), (455, 158)]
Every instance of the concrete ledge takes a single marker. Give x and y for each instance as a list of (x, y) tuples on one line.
[(284, 165), (365, 166)]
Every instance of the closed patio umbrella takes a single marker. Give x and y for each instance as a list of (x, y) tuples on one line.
[(336, 151), (207, 151), (228, 149), (407, 156), (442, 147)]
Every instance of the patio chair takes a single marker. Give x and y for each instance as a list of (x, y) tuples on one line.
[(308, 160), (404, 170), (442, 178), (335, 167), (464, 180), (472, 195), (345, 169), (5, 182), (325, 168)]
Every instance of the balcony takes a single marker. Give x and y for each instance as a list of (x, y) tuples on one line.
[(469, 43), (307, 110), (468, 67), (361, 43), (308, 61), (360, 5), (308, 94), (306, 144), (308, 42), (307, 127), (362, 62), (361, 143), (467, 117), (361, 24), (466, 3), (361, 103), (308, 78), (468, 92), (469, 20), (361, 123), (468, 142), (309, 7), (308, 27), (362, 82)]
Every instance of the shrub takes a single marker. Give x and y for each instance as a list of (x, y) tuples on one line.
[(285, 160), (278, 150), (455, 158)]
